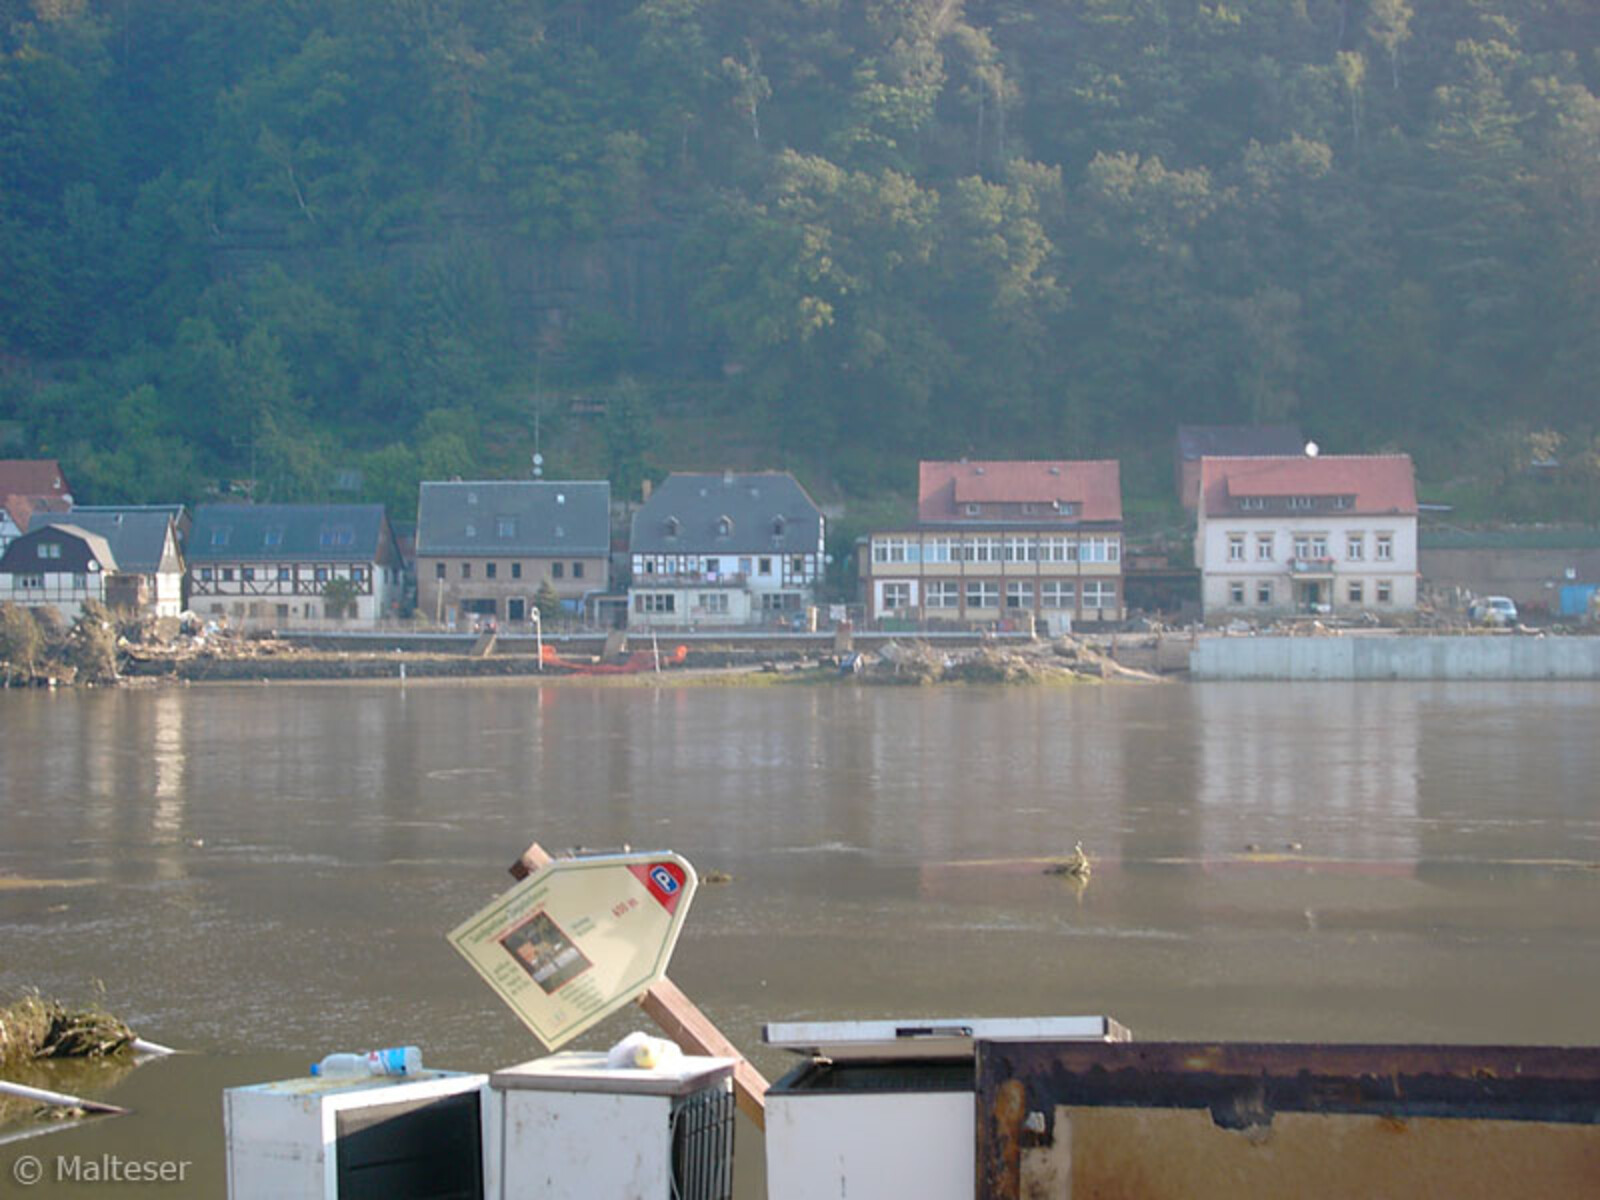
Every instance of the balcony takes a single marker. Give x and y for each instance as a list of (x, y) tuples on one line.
[(1311, 568)]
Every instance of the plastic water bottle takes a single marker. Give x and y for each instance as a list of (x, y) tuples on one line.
[(395, 1060)]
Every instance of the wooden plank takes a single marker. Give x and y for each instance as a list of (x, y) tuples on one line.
[(681, 1019)]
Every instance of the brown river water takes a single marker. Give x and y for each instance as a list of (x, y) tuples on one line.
[(261, 875)]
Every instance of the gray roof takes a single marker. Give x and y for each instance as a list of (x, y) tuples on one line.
[(136, 536), (22, 554), (764, 513), (300, 532), (536, 518), (1238, 441)]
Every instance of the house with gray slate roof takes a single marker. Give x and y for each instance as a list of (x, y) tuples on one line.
[(59, 567), (271, 564), (721, 550), (144, 541), (485, 547)]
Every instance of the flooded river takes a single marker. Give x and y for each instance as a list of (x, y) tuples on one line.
[(265, 874)]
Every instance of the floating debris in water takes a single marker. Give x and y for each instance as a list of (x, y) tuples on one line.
[(716, 877), (1078, 866), (34, 1027)]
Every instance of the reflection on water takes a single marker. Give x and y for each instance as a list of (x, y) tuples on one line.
[(275, 868)]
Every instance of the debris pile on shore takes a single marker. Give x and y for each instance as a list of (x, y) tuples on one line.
[(34, 1027), (1065, 659)]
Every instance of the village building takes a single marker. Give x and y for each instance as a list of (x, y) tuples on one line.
[(144, 540), (29, 486), (57, 566), (1303, 534), (726, 550), (1000, 542), (293, 564), (484, 548)]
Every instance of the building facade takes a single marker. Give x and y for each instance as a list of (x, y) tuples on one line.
[(485, 548), (149, 574), (997, 542), (59, 567), (293, 564), (726, 550), (29, 486), (1281, 535)]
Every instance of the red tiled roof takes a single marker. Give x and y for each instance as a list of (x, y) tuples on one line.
[(1377, 483), (32, 477), (22, 508), (945, 487)]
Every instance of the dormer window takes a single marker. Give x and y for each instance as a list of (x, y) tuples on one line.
[(472, 497), (974, 509), (220, 535), (505, 527), (338, 535), (49, 549), (472, 530), (724, 526), (672, 525), (1252, 502), (273, 536), (1299, 501), (1341, 501), (777, 526)]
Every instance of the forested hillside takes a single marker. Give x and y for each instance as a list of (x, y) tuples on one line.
[(289, 241)]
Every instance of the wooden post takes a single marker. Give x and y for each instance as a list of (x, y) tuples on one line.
[(681, 1020)]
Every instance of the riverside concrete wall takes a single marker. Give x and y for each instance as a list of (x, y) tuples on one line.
[(1355, 658)]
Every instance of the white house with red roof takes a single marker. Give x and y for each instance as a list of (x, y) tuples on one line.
[(1001, 542), (1334, 534)]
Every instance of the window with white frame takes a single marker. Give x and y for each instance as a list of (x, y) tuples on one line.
[(1058, 549), (1252, 502), (893, 550), (1236, 591), (1264, 592), (655, 602), (939, 550), (30, 582), (983, 595), (897, 594), (712, 603), (1019, 593), (1355, 546), (1264, 547), (1236, 547), (1100, 550), (981, 549), (943, 593), (1385, 591), (1099, 593), (1058, 593), (49, 549), (1385, 547), (973, 510), (1020, 549), (1299, 501), (1354, 591)]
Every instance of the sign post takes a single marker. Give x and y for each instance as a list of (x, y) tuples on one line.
[(678, 1016)]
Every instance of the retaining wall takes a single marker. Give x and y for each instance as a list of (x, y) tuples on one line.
[(1359, 658)]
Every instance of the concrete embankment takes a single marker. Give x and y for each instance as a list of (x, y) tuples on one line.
[(1498, 656)]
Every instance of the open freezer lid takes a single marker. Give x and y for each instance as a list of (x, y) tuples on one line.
[(921, 1037)]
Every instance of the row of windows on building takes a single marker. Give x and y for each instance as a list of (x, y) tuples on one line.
[(1019, 593), (328, 537), (491, 570), (1313, 546), (938, 549), (1356, 592), (35, 583), (689, 565), (711, 603), (279, 574)]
